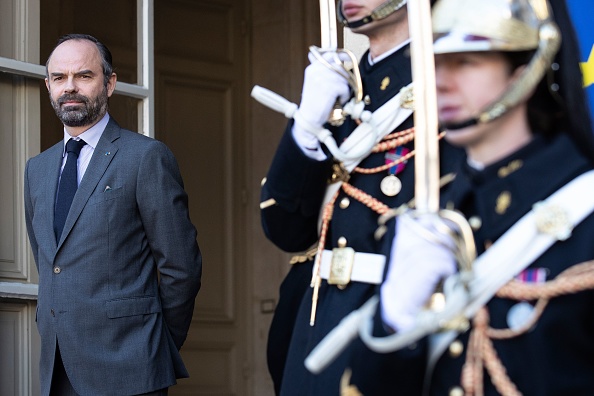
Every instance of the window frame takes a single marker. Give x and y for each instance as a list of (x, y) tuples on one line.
[(142, 90)]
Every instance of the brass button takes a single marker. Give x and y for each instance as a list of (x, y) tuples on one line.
[(344, 203), (437, 302), (57, 270), (456, 391), (475, 223), (456, 348)]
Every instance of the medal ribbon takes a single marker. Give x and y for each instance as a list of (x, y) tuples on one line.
[(395, 154)]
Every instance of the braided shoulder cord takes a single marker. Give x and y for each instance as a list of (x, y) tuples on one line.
[(577, 278)]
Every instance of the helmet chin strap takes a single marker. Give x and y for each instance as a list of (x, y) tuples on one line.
[(377, 14), (453, 126)]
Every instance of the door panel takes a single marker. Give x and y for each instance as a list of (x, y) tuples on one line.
[(199, 111), (208, 54)]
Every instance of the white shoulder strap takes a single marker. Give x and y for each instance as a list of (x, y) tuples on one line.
[(377, 125), (382, 122), (548, 222)]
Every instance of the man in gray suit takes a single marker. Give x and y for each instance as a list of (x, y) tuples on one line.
[(119, 266)]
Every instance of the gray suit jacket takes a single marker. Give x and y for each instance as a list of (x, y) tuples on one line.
[(119, 327)]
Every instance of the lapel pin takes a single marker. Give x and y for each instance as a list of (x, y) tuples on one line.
[(107, 152), (107, 188)]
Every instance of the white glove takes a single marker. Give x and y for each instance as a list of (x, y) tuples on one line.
[(421, 257), (321, 87)]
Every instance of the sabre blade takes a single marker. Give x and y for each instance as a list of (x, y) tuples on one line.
[(329, 32), (425, 99)]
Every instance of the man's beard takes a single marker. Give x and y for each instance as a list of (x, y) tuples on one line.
[(82, 114)]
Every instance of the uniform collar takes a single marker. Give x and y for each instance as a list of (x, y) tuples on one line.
[(504, 191), (386, 54)]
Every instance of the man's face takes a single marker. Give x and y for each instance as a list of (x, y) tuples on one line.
[(466, 84), (353, 10), (76, 84)]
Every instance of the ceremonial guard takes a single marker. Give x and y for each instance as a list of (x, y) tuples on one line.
[(329, 198), (520, 319)]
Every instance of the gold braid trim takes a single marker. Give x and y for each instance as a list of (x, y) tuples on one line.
[(305, 256), (394, 140), (577, 278), (365, 198), (316, 279), (386, 166), (389, 142)]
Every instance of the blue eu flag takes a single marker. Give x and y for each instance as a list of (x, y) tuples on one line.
[(581, 12)]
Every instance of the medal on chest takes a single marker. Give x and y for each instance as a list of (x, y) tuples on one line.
[(522, 312), (391, 184)]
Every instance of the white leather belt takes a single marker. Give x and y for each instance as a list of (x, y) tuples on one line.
[(366, 267)]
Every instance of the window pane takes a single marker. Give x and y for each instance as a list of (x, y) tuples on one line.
[(6, 29), (59, 17)]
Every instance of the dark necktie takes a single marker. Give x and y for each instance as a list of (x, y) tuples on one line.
[(68, 185)]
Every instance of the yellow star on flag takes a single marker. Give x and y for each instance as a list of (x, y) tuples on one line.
[(588, 69)]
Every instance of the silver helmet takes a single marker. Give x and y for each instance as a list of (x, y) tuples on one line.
[(381, 12), (498, 25)]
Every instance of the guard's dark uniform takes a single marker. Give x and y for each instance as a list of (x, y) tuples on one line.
[(556, 357), (298, 183)]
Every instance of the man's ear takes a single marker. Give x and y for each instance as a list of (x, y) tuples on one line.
[(111, 84)]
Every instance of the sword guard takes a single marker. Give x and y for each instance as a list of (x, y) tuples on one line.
[(338, 115)]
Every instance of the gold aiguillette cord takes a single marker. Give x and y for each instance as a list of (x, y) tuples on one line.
[(316, 279)]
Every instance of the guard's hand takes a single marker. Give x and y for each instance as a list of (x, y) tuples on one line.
[(422, 255), (321, 88)]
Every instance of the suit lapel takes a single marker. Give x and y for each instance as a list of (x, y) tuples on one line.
[(102, 156), (50, 185)]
